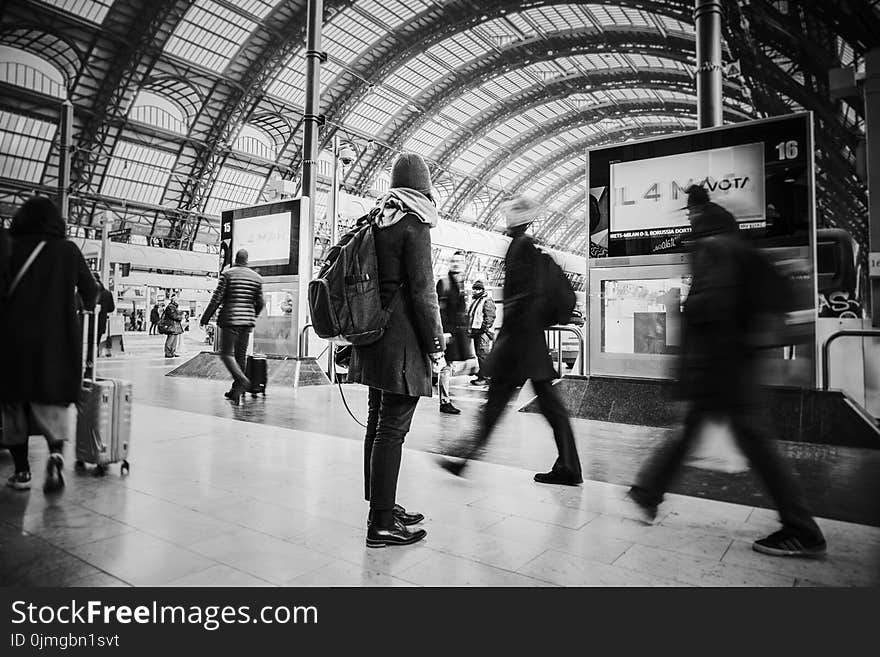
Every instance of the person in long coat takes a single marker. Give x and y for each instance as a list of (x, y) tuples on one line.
[(398, 367), (521, 353), (453, 315), (171, 318), (41, 334), (719, 380)]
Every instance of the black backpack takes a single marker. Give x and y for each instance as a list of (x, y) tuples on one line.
[(780, 295), (555, 294), (344, 299)]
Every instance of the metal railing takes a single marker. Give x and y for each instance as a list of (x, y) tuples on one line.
[(826, 346), (582, 348), (304, 351)]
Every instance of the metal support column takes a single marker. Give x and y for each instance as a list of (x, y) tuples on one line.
[(707, 18), (872, 133), (311, 127), (105, 247), (65, 140), (333, 218)]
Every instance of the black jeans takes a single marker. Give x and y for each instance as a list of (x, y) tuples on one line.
[(658, 473), (388, 422), (552, 408), (233, 351)]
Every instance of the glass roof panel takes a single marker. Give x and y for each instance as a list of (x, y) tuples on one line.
[(257, 8), (93, 11), (392, 13), (233, 189), (24, 146), (209, 35), (137, 173)]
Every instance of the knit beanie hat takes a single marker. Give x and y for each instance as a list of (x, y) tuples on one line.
[(410, 171), (520, 210), (478, 285)]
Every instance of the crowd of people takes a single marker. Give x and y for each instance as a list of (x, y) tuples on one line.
[(432, 329)]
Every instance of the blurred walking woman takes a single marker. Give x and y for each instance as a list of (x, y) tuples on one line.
[(41, 337), (397, 368)]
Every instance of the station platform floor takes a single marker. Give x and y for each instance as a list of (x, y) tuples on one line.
[(270, 494)]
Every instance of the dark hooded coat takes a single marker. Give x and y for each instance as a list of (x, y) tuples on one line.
[(717, 364), (40, 334), (398, 362), (521, 352)]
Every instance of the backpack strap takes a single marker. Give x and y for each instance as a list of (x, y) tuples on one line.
[(27, 265)]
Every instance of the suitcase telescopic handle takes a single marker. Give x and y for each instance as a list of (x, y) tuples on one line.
[(91, 335)]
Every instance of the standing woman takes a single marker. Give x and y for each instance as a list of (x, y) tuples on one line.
[(397, 368), (41, 358), (171, 327)]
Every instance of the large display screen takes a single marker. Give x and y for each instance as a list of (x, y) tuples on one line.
[(649, 196), (269, 233), (266, 238), (760, 171)]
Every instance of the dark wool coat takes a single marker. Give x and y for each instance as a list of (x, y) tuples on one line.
[(172, 312), (521, 352), (717, 363), (453, 316), (41, 357), (105, 298), (398, 362)]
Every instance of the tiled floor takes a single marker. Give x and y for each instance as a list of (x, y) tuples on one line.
[(215, 501)]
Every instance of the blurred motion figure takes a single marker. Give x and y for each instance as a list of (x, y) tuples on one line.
[(718, 376)]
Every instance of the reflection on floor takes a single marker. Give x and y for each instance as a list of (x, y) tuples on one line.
[(214, 500)]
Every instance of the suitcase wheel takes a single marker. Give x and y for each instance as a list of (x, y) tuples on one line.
[(100, 470), (79, 466), (125, 468)]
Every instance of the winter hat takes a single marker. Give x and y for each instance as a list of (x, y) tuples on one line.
[(520, 210), (478, 285), (410, 171)]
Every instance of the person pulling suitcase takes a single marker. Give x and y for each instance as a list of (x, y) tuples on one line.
[(239, 296)]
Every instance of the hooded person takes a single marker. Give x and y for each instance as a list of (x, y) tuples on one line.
[(521, 353), (718, 378), (397, 368), (41, 358)]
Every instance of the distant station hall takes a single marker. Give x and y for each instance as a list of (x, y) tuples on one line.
[(460, 293)]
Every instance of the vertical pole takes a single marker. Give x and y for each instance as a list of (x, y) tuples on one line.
[(332, 214), (311, 126), (65, 140), (872, 130), (707, 18), (105, 248)]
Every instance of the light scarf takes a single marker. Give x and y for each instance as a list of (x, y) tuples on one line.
[(400, 201)]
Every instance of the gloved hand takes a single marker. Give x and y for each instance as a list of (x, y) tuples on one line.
[(438, 362)]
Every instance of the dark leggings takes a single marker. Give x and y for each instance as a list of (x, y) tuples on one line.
[(20, 455), (388, 422)]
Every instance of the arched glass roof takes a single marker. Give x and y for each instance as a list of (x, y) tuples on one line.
[(201, 103)]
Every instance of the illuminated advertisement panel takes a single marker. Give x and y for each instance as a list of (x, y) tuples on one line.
[(269, 233), (760, 171), (266, 238), (648, 196)]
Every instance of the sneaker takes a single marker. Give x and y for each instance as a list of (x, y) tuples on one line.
[(54, 475), (20, 481), (786, 543), (647, 509), (449, 408)]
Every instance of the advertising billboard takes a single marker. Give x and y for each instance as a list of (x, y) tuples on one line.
[(269, 233), (649, 196), (266, 238), (760, 171)]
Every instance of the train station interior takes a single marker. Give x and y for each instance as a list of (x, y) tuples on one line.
[(170, 134)]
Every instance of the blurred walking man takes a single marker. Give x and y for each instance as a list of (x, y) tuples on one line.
[(718, 377), (521, 353), (453, 313)]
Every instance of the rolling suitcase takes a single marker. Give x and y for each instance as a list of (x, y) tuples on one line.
[(103, 424), (256, 372)]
